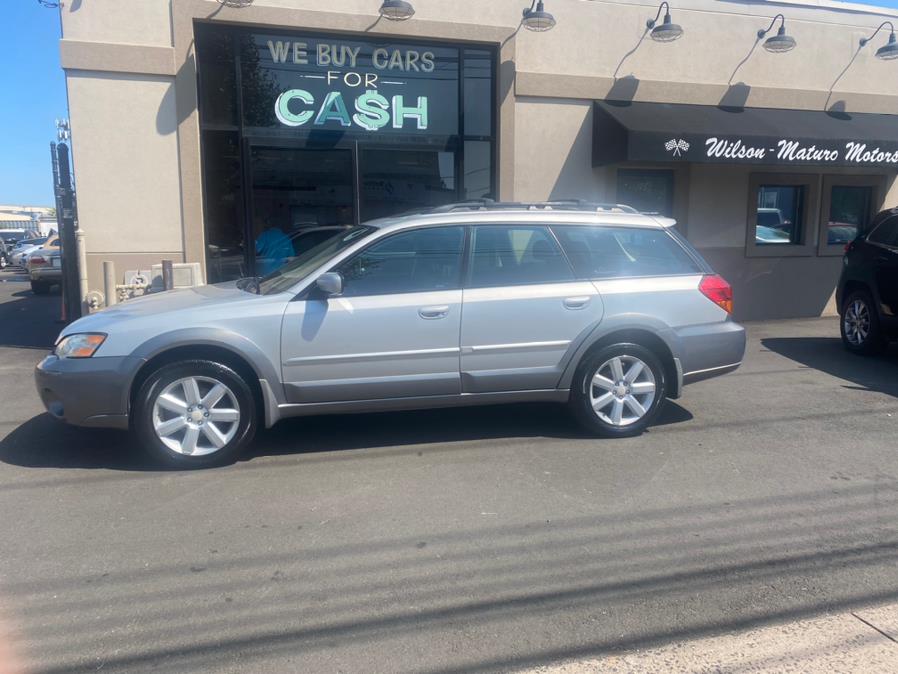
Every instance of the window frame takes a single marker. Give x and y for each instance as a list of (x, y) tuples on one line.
[(469, 256), (408, 230), (876, 182), (701, 267), (810, 217)]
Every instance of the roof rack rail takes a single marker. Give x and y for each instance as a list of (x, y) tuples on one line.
[(555, 205)]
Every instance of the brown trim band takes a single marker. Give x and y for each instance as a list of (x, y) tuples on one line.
[(117, 58), (584, 87)]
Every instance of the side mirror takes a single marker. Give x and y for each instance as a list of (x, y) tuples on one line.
[(330, 283)]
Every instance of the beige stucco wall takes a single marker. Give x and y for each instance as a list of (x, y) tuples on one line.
[(125, 153), (132, 86), (146, 22)]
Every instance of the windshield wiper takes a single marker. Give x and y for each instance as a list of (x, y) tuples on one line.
[(250, 284)]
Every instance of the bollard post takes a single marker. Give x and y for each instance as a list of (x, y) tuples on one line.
[(109, 291), (168, 279), (82, 270)]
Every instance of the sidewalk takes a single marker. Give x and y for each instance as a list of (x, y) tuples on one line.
[(856, 641)]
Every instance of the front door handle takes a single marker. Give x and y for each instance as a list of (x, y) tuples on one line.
[(576, 302), (432, 313)]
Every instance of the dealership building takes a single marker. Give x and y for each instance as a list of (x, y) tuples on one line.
[(200, 125)]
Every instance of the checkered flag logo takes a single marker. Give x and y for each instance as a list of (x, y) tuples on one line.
[(677, 146)]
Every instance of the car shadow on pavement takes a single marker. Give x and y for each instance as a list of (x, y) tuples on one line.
[(826, 354), (44, 442), (429, 427)]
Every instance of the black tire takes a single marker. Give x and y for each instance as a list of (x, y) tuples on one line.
[(584, 391), (859, 325), (40, 287), (144, 415)]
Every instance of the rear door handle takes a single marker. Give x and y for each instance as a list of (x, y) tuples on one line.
[(576, 302), (432, 313)]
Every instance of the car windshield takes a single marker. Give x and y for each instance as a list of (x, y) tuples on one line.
[(307, 261)]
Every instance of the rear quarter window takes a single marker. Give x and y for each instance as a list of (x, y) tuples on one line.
[(885, 233), (618, 252)]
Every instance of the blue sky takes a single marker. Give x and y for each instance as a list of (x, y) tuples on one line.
[(33, 89)]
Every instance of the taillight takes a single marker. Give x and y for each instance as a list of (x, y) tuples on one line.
[(716, 289), (849, 247), (38, 260)]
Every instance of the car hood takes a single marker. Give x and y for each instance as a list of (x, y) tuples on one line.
[(194, 301)]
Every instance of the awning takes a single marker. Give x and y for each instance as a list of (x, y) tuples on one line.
[(705, 133)]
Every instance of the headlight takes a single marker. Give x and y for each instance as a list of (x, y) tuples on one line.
[(83, 345)]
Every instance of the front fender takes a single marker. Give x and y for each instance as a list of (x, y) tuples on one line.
[(232, 341)]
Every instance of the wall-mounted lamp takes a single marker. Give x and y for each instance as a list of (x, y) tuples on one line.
[(668, 31), (889, 51), (536, 17), (780, 42), (397, 10)]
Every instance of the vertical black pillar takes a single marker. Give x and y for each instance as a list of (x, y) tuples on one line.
[(65, 218)]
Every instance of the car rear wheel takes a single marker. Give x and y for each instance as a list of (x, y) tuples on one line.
[(194, 414), (861, 332), (40, 287), (619, 390)]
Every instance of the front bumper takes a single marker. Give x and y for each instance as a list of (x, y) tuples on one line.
[(87, 391)]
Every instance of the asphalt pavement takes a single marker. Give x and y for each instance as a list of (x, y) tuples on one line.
[(491, 539)]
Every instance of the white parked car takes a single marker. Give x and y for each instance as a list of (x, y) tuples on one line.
[(21, 248)]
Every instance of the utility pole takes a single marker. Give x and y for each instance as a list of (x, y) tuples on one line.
[(65, 219)]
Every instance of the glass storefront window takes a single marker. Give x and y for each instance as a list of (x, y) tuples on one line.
[(333, 130), (478, 170), (478, 93), (648, 191), (849, 212), (295, 191), (404, 180), (224, 206), (780, 214), (218, 75)]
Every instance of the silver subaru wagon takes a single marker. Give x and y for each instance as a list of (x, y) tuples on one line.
[(599, 307)]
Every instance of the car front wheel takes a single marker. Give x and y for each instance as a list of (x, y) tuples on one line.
[(619, 390), (194, 414), (861, 332)]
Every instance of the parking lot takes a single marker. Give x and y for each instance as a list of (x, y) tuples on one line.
[(486, 539)]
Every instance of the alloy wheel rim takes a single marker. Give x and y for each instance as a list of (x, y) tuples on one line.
[(857, 322), (196, 416), (622, 390)]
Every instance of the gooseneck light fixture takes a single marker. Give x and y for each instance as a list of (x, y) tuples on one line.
[(888, 51), (667, 31), (536, 17), (397, 10), (780, 42)]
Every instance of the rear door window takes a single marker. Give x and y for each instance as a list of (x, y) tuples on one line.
[(617, 252), (516, 255)]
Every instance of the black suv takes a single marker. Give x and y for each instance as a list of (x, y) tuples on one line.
[(867, 295)]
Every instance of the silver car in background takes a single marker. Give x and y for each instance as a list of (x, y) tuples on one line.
[(598, 307)]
